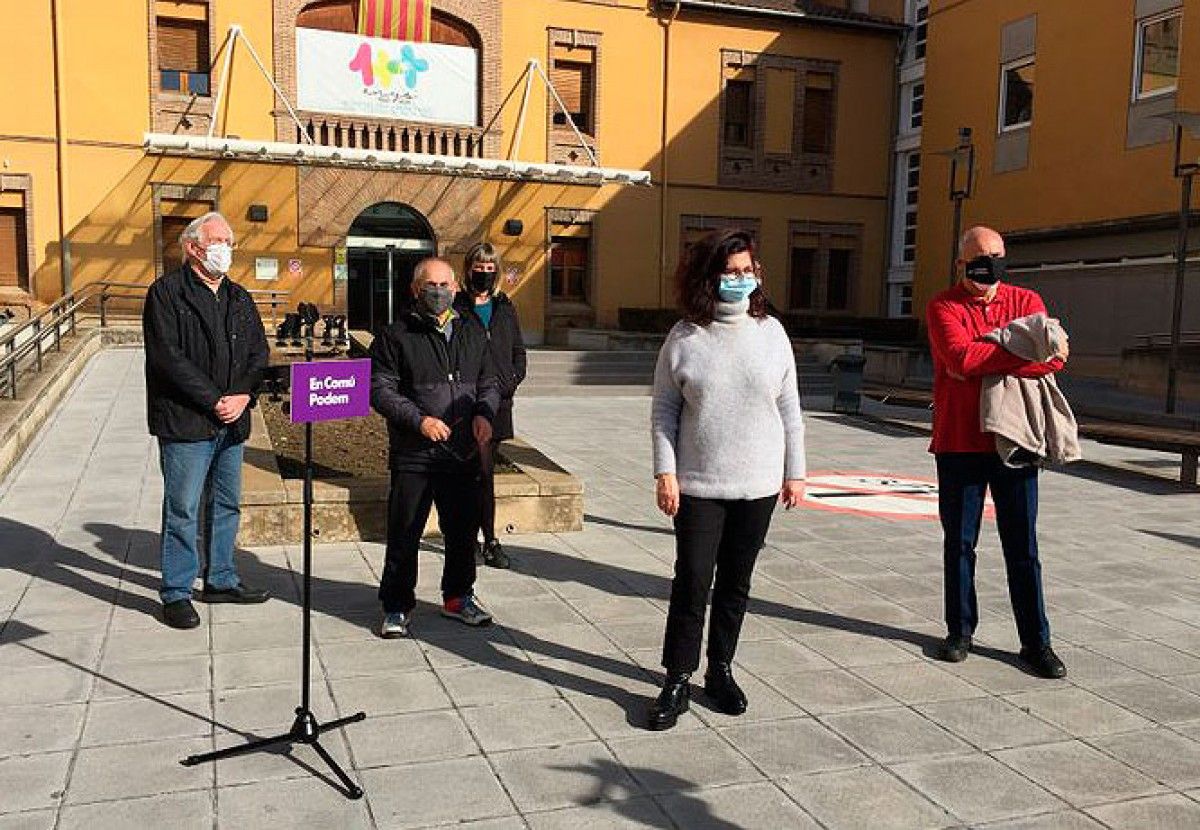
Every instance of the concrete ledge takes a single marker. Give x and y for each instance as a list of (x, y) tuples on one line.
[(39, 394), (542, 497)]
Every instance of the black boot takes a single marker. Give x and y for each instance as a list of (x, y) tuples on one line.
[(723, 690), (671, 703)]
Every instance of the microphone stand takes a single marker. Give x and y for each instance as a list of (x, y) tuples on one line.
[(305, 728)]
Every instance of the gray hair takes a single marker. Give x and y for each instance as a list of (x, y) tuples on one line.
[(421, 271), (192, 232)]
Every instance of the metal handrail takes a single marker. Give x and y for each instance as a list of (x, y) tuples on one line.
[(49, 323)]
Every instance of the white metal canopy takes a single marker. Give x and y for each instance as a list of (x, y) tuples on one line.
[(319, 155)]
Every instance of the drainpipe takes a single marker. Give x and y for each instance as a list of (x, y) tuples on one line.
[(662, 153), (60, 152)]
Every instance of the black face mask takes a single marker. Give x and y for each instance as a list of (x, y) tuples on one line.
[(482, 282), (986, 270)]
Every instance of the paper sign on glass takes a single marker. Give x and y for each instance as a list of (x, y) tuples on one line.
[(326, 390)]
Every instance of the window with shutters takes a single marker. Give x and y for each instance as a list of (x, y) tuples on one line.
[(739, 113), (818, 112), (778, 122), (573, 82), (574, 71), (181, 31), (14, 265), (824, 264)]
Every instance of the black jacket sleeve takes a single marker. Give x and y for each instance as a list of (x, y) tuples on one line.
[(258, 357), (518, 352), (160, 331), (386, 395)]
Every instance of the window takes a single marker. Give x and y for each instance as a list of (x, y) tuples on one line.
[(921, 29), (739, 112), (573, 73), (573, 82), (569, 268), (1016, 94), (804, 273), (183, 58), (908, 250), (823, 265), (1157, 71), (916, 105), (900, 299), (818, 113)]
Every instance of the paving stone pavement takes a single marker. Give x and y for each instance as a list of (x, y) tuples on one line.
[(535, 723)]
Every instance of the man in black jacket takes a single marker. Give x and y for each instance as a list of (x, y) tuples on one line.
[(498, 316), (205, 356), (433, 380)]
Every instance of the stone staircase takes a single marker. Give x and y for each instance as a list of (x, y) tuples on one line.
[(583, 372)]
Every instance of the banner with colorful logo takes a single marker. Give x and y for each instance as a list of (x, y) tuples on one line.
[(379, 78)]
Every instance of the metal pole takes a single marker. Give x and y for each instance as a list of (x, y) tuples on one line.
[(391, 249), (230, 39), (306, 665), (515, 150), (958, 206), (1181, 251)]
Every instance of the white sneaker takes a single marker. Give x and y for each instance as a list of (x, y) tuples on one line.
[(466, 609), (394, 625)]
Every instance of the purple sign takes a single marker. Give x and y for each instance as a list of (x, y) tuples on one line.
[(326, 390)]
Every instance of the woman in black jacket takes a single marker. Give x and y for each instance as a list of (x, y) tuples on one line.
[(496, 313)]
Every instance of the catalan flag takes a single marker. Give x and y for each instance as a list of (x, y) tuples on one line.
[(395, 19)]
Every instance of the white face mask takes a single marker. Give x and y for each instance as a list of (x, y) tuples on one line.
[(218, 258)]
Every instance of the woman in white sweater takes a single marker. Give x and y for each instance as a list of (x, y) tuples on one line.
[(728, 443)]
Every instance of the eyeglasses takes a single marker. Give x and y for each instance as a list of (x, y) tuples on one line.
[(749, 272)]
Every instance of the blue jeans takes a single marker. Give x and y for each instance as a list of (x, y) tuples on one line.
[(193, 470), (963, 482)]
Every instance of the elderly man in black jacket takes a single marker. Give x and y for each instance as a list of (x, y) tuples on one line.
[(206, 352), (433, 380)]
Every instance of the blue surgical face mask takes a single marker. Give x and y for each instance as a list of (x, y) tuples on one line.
[(735, 288)]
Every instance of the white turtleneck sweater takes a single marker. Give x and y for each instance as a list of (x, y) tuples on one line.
[(726, 417)]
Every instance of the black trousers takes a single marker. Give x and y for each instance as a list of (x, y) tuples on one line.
[(455, 491), (963, 482), (712, 535), (487, 490)]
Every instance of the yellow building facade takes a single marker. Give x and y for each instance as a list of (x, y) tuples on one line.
[(1072, 161), (774, 116)]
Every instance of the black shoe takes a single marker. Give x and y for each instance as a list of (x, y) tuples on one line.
[(180, 614), (723, 690), (494, 555), (1044, 662), (954, 649), (672, 702), (241, 594)]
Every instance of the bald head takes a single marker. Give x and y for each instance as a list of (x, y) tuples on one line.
[(980, 241)]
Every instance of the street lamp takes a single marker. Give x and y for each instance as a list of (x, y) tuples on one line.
[(1184, 171), (962, 182)]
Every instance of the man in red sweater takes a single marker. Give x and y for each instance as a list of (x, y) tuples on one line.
[(967, 462)]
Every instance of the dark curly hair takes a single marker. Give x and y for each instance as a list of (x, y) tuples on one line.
[(699, 275)]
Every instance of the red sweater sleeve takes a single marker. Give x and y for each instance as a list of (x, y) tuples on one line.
[(962, 355)]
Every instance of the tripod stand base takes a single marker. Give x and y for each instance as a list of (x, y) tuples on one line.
[(305, 730)]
